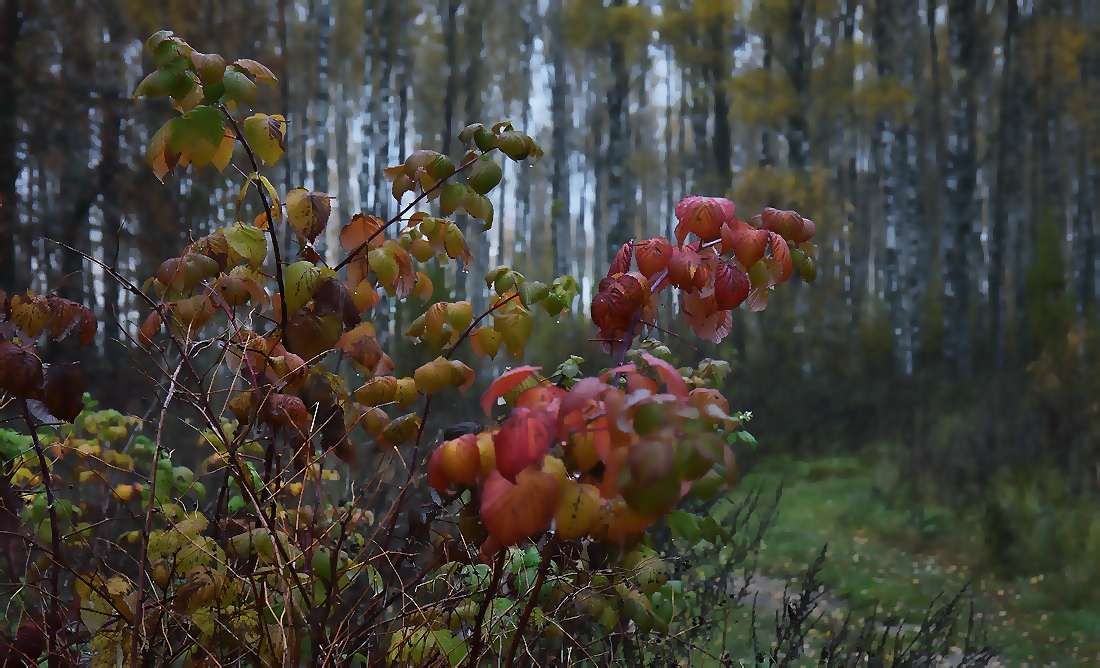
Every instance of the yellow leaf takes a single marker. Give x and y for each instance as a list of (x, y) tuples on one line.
[(301, 280), (265, 135)]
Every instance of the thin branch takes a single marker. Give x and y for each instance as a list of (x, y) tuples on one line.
[(267, 210), (55, 540), (547, 555), (139, 611)]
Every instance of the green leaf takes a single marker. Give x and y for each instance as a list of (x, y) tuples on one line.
[(684, 524), (467, 133), (450, 197), (156, 38), (301, 280), (747, 438), (532, 292), (171, 79), (515, 145), (251, 242), (168, 50), (484, 139), (485, 175), (208, 123), (235, 504), (451, 647), (711, 532), (238, 88), (265, 135), (478, 206), (504, 281), (179, 81), (440, 167), (213, 93)]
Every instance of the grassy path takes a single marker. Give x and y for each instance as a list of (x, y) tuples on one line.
[(875, 563)]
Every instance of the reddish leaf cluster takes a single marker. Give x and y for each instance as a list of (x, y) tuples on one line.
[(60, 387), (604, 458), (730, 263)]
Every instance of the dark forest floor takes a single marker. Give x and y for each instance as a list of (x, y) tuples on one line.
[(881, 561)]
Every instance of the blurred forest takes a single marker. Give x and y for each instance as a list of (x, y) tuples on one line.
[(948, 150)]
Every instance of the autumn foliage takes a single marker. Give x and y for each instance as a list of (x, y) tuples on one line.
[(262, 556)]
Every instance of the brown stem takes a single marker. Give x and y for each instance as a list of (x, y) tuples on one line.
[(139, 609), (475, 323), (490, 594), (55, 541), (270, 219), (540, 580), (401, 214), (202, 404)]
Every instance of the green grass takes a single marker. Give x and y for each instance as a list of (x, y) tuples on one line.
[(880, 559)]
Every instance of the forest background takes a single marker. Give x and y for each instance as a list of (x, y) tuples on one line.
[(942, 368)]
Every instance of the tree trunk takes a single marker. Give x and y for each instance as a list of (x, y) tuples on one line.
[(961, 178), (9, 131), (559, 188), (798, 71), (620, 228), (767, 140), (884, 146), (450, 28), (1005, 183), (521, 242), (321, 108), (723, 135), (478, 241)]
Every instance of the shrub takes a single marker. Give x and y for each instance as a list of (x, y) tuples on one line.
[(294, 541)]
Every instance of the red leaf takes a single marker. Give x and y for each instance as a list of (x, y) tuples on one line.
[(786, 224), (511, 512), (758, 298), (705, 319), (436, 478), (20, 369), (749, 246), (782, 254), (683, 267), (634, 287), (621, 264), (583, 392), (806, 232), (503, 385), (653, 255), (703, 216), (615, 305), (547, 397), (63, 391), (672, 379), (523, 440), (731, 286), (288, 411), (727, 240)]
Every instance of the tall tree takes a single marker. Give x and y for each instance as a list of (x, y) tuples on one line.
[(961, 176), (559, 195), (619, 226), (9, 161), (1005, 180)]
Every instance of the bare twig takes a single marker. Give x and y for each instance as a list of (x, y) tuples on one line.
[(139, 609), (547, 555)]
